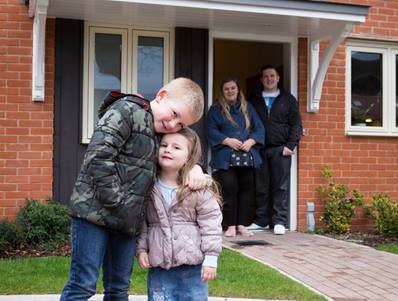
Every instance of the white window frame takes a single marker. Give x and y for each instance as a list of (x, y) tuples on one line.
[(388, 53), (129, 59)]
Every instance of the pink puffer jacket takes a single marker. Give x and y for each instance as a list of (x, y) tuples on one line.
[(184, 233)]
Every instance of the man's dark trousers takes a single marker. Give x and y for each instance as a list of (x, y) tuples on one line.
[(272, 187)]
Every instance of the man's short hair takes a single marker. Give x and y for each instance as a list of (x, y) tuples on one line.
[(265, 67), (189, 93)]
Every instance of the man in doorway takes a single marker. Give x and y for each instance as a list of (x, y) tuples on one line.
[(280, 115)]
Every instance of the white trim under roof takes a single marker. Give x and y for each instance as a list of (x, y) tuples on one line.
[(315, 20), (307, 9)]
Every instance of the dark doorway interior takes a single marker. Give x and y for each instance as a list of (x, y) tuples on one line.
[(243, 60)]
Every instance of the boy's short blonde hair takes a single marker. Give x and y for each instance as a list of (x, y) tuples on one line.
[(188, 92)]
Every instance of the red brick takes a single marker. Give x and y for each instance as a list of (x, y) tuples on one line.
[(15, 195), (8, 187), (17, 163), (29, 187), (16, 179)]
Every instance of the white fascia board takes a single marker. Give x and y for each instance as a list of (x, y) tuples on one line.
[(38, 10), (297, 12)]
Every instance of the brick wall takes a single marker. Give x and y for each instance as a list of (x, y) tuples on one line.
[(369, 164), (26, 127)]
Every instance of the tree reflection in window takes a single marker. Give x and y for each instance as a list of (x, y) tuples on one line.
[(107, 66), (150, 66)]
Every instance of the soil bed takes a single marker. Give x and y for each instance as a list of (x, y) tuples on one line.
[(368, 239)]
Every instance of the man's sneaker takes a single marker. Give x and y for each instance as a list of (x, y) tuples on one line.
[(279, 229), (255, 227)]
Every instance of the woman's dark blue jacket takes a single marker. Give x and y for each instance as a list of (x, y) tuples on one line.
[(219, 128)]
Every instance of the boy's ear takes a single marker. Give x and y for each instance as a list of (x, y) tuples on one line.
[(161, 95)]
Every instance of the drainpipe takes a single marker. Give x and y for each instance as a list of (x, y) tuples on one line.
[(310, 217)]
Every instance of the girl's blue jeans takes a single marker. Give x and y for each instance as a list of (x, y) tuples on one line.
[(92, 247), (182, 283)]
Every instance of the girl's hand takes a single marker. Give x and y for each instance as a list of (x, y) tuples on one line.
[(247, 145), (196, 179), (143, 260), (208, 273), (232, 143)]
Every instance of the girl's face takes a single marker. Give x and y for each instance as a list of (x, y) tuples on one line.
[(230, 91), (173, 152)]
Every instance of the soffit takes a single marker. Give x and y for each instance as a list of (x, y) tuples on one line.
[(288, 18)]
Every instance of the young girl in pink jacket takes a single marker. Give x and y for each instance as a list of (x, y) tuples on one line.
[(182, 236)]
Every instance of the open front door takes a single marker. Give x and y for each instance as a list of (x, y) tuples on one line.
[(243, 59)]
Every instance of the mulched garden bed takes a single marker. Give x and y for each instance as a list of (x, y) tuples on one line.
[(368, 239), (26, 251)]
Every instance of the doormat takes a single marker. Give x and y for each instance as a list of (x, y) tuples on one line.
[(243, 243)]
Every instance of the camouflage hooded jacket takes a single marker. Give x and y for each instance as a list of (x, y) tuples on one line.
[(119, 167)]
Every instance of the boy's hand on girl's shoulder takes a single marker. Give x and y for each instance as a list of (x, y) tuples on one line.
[(196, 179), (143, 260), (208, 273)]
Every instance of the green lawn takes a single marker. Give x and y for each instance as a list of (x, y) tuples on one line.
[(392, 248), (238, 276)]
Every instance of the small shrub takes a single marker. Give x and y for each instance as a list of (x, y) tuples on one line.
[(384, 211), (10, 236), (340, 204), (42, 223)]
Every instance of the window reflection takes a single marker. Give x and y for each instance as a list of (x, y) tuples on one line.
[(366, 89), (107, 67), (150, 66), (396, 90)]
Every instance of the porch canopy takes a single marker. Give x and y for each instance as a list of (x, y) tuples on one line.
[(315, 20)]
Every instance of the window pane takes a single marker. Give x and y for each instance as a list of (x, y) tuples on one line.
[(396, 90), (107, 67), (150, 66), (366, 89)]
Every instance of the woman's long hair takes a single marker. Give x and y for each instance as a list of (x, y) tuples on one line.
[(194, 156), (243, 103)]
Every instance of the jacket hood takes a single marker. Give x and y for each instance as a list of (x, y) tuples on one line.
[(113, 96)]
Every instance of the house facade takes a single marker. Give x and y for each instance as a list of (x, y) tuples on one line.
[(58, 58)]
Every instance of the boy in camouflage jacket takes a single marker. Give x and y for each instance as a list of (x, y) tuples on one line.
[(109, 198)]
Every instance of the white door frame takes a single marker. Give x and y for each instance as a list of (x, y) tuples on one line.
[(290, 58)]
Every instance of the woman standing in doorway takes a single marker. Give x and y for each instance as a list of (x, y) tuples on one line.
[(235, 133)]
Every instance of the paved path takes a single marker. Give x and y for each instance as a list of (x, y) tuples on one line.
[(342, 271)]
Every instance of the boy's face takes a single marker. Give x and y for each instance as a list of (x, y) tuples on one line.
[(170, 115)]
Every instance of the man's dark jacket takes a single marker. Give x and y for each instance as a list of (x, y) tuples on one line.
[(119, 167), (283, 124)]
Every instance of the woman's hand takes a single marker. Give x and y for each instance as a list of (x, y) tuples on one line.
[(143, 260), (196, 179), (208, 273), (247, 145), (232, 143)]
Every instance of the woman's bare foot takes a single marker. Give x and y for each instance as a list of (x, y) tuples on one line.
[(242, 230), (231, 231)]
